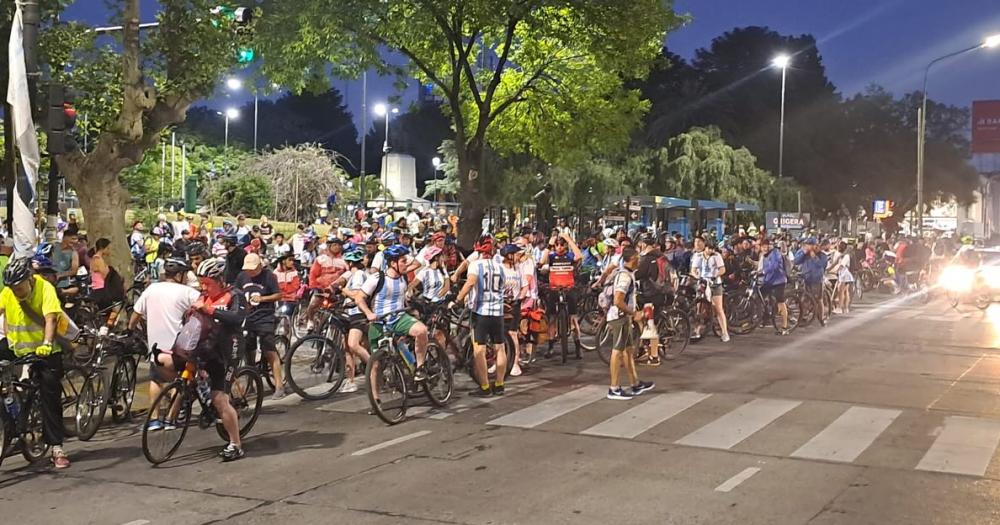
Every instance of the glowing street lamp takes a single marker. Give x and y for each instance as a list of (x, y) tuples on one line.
[(782, 61)]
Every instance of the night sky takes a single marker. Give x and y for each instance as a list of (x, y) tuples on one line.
[(887, 42)]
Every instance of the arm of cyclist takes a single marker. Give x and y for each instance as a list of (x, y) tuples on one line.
[(577, 254), (231, 315), (462, 267), (275, 296), (466, 288)]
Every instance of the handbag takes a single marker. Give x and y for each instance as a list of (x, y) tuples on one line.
[(66, 329)]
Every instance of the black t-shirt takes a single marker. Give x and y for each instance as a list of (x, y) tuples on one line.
[(265, 284), (234, 264), (647, 272)]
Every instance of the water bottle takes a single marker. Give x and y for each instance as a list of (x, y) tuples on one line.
[(204, 391), (407, 354), (12, 408)]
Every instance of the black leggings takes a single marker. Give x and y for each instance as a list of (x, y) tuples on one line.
[(49, 375)]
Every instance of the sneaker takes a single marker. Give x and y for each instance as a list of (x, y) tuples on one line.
[(154, 425), (232, 453), (492, 369), (643, 386), (725, 338), (479, 392), (169, 425), (59, 459), (498, 389), (619, 394), (279, 393), (783, 332), (348, 387), (420, 375), (837, 311), (515, 371), (653, 361)]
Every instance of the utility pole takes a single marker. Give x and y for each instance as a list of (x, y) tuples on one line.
[(364, 133)]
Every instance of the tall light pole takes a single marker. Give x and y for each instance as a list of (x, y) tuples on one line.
[(436, 161), (364, 133), (384, 111), (229, 114), (989, 43), (782, 62)]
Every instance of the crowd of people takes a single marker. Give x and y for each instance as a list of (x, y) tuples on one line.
[(237, 276)]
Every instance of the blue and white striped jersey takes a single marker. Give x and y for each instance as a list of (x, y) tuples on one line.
[(390, 298), (487, 298), (433, 282)]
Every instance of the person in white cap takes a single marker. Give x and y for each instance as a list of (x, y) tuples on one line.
[(261, 292)]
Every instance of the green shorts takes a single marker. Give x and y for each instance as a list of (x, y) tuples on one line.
[(400, 327)]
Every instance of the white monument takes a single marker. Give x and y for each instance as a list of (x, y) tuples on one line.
[(399, 175)]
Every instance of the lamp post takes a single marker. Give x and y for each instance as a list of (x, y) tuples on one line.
[(781, 62), (436, 161), (229, 114), (989, 43), (382, 110)]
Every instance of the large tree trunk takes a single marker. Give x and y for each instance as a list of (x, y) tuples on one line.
[(474, 203), (104, 201)]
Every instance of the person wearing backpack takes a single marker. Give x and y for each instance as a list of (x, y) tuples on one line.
[(164, 304), (620, 317), (652, 293)]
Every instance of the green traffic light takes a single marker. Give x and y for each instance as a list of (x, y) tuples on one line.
[(244, 55)]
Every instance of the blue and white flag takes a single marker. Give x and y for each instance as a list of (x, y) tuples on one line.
[(25, 237)]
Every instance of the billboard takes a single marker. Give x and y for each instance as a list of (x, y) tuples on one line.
[(786, 221), (986, 126), (882, 209)]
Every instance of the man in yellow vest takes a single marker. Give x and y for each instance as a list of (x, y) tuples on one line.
[(32, 316)]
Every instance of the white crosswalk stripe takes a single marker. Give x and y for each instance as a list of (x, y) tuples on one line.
[(550, 409), (965, 446), (645, 416), (847, 437), (732, 428)]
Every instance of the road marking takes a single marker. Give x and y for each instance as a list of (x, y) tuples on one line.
[(462, 406), (732, 428), (391, 442), (849, 435), (965, 446), (735, 481), (645, 416), (137, 522), (550, 409), (955, 382)]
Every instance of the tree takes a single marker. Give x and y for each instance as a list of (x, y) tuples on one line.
[(300, 177), (132, 91), (522, 75), (247, 194)]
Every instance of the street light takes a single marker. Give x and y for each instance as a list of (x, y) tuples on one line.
[(436, 161), (989, 42), (234, 84), (382, 110), (230, 114), (782, 62)]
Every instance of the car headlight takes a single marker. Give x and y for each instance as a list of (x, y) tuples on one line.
[(991, 276), (957, 279)]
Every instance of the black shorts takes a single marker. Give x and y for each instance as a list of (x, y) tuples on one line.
[(552, 299), (515, 316), (358, 322), (266, 337), (777, 291), (487, 330), (216, 374)]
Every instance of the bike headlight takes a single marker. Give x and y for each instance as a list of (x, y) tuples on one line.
[(957, 279), (991, 276)]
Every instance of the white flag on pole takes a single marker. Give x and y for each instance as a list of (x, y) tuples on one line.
[(26, 140)]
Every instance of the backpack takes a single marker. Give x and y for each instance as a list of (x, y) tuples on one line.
[(607, 297), (193, 331)]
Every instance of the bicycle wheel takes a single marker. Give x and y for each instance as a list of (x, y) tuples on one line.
[(440, 383), (6, 433), (90, 406), (33, 445), (246, 394), (72, 382), (675, 333), (562, 326), (604, 342), (387, 388), (159, 445), (314, 368), (739, 313), (590, 320), (123, 389)]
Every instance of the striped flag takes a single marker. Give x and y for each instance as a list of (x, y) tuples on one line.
[(26, 140)]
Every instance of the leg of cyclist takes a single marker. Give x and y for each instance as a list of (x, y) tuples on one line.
[(621, 330), (638, 387), (574, 321), (513, 330), (356, 350), (220, 400), (779, 298), (419, 333), (269, 351), (720, 311)]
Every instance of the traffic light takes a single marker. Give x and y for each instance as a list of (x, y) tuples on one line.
[(239, 19), (61, 120)]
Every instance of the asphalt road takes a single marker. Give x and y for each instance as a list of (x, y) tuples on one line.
[(888, 415)]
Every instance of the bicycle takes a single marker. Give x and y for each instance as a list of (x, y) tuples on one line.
[(673, 329), (809, 304), (97, 393), (176, 403), (392, 368), (314, 365), (753, 309), (21, 421), (563, 323)]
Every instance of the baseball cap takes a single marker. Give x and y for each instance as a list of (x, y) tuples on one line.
[(251, 261)]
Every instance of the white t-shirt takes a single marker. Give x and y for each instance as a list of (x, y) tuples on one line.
[(625, 283), (163, 305), (180, 227)]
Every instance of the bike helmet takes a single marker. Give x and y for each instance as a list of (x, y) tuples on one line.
[(502, 236), (44, 249), (610, 243), (509, 249), (354, 256), (230, 238), (431, 253), (373, 239), (17, 271), (196, 248), (175, 265), (212, 268), (41, 261), (484, 245), (388, 237), (395, 252)]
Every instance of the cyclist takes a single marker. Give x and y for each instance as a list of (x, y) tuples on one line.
[(234, 257), (33, 316), (515, 291), (561, 263), (196, 253), (707, 264), (772, 266), (227, 311), (652, 294), (620, 318), (812, 267), (164, 304), (260, 289), (325, 270), (387, 292), (350, 282), (486, 277)]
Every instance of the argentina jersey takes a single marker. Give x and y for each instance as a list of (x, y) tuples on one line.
[(392, 297), (433, 283), (512, 283), (489, 288)]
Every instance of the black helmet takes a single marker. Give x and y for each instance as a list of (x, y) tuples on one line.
[(212, 268), (196, 248), (17, 271), (175, 265), (230, 238)]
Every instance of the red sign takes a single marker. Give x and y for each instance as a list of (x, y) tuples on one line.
[(986, 126)]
